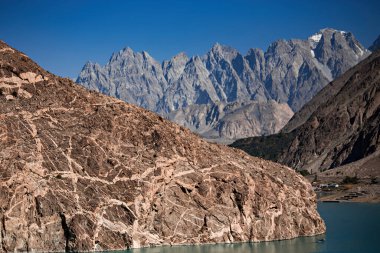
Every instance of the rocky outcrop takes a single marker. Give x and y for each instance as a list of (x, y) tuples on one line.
[(340, 125), (82, 171), (185, 90)]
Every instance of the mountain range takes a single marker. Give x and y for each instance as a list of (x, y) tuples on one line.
[(225, 95), (339, 126)]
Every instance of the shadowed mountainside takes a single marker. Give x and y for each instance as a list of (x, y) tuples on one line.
[(340, 125)]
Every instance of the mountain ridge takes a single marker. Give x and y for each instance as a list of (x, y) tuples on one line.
[(339, 126), (289, 72)]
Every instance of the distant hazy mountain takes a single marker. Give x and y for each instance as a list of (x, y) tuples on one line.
[(225, 95), (339, 126)]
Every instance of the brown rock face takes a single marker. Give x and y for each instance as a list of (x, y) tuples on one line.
[(344, 122), (82, 171)]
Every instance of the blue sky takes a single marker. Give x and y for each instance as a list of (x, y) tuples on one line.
[(62, 35)]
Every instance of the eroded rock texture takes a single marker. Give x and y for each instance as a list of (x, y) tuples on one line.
[(83, 171), (345, 127)]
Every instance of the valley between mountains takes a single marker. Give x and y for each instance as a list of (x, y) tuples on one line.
[(336, 136)]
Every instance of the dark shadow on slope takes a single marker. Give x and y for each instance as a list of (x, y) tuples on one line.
[(268, 147)]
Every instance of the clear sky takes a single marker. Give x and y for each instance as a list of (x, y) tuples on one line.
[(62, 35)]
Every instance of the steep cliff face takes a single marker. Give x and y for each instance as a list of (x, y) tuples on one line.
[(344, 129), (133, 77), (340, 125), (83, 171), (289, 72)]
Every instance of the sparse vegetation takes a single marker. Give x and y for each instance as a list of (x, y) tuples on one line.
[(374, 180), (350, 180), (304, 172), (268, 147)]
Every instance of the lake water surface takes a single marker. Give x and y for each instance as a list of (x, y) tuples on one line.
[(351, 227)]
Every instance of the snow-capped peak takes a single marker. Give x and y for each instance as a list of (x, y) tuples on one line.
[(316, 37)]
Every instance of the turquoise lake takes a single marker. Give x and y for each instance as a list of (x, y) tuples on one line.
[(351, 227)]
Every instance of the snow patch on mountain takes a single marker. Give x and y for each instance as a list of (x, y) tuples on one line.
[(316, 37)]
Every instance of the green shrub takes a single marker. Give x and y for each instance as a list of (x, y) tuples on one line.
[(268, 147), (304, 172), (350, 180)]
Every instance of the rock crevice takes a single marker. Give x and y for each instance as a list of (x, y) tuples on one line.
[(82, 171)]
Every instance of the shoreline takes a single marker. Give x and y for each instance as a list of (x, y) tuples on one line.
[(218, 243), (358, 193)]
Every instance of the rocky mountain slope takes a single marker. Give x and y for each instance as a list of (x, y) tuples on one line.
[(82, 171), (375, 45), (339, 126), (204, 93)]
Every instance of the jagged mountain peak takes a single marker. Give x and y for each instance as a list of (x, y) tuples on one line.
[(315, 39), (278, 45), (335, 51), (328, 31), (290, 71), (216, 46), (88, 65), (122, 54), (174, 67), (333, 34), (180, 55), (327, 34), (179, 59), (195, 59), (196, 67), (91, 65), (128, 55), (331, 30), (126, 50), (222, 50)]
